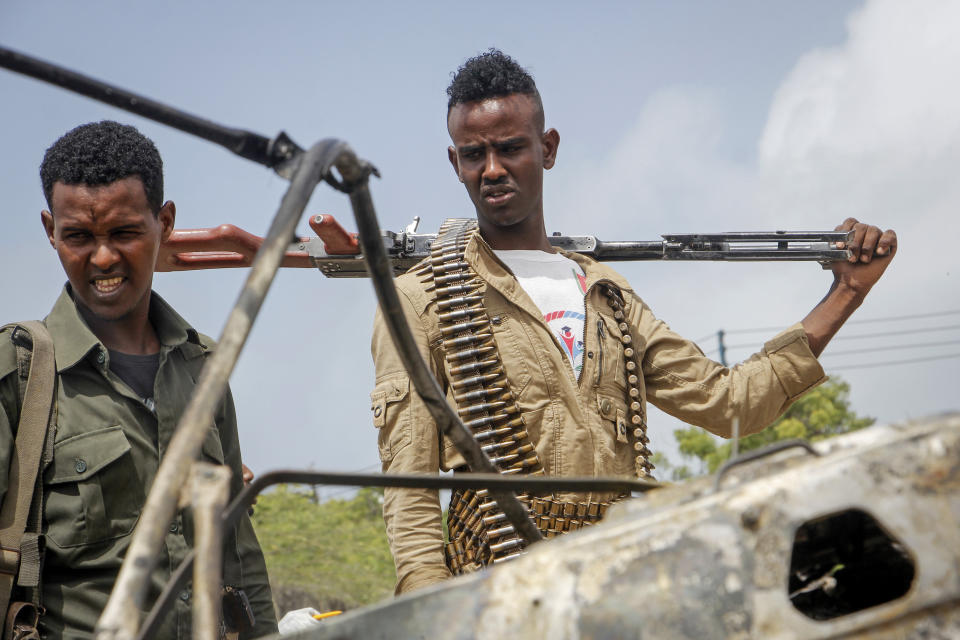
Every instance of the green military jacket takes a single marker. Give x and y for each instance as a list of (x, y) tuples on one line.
[(107, 448)]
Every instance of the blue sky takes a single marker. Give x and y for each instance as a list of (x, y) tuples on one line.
[(673, 117)]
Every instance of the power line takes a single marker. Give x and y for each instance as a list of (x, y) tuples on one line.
[(891, 348), (879, 334), (915, 316), (893, 362), (910, 317), (883, 334)]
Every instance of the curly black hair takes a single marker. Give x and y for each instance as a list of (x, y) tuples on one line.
[(100, 153), (492, 74)]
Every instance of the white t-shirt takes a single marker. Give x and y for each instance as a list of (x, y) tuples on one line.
[(556, 285)]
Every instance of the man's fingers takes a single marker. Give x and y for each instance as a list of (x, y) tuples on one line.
[(855, 245), (846, 225), (887, 246), (871, 236)]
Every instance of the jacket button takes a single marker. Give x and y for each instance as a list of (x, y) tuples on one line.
[(605, 406), (377, 411), (173, 527), (80, 466), (101, 357), (184, 595)]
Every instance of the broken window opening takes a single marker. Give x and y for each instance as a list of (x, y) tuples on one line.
[(846, 562)]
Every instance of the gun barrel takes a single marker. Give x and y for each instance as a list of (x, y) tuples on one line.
[(820, 246), (760, 236)]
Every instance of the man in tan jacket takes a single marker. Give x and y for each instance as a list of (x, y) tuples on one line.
[(550, 357)]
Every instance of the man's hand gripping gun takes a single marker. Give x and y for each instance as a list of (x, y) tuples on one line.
[(336, 252)]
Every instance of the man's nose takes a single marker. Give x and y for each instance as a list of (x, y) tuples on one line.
[(493, 169), (104, 256)]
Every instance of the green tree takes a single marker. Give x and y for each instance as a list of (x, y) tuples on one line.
[(331, 555), (822, 413), (666, 469)]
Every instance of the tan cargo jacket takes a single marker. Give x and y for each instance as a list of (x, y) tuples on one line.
[(572, 423)]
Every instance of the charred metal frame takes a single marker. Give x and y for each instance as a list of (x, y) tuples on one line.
[(246, 498), (304, 169), (275, 153), (334, 162)]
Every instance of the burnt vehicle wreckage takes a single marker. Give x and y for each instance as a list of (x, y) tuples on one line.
[(858, 536)]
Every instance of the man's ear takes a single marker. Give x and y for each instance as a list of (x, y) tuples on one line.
[(167, 217), (48, 226), (452, 156), (550, 141)]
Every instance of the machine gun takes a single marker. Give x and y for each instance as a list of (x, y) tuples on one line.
[(336, 252)]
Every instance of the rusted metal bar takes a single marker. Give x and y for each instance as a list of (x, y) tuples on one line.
[(277, 153), (120, 618), (240, 504), (210, 489), (756, 454)]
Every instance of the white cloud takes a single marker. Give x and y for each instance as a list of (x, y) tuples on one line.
[(869, 129), (658, 177)]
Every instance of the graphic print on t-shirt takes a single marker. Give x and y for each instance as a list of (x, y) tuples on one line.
[(555, 284), (581, 281), (568, 327)]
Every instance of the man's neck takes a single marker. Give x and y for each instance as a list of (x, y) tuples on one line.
[(133, 334), (514, 238)]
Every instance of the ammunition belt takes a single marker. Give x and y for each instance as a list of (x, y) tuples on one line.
[(485, 402), (638, 425), (479, 532), (473, 520)]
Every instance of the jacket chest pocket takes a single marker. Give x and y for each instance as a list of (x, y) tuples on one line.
[(610, 366), (514, 347), (93, 492)]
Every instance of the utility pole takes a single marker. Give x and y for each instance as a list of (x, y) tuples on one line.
[(723, 348)]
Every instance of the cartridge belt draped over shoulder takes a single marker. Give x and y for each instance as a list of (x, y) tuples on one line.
[(637, 424), (483, 397), (479, 532)]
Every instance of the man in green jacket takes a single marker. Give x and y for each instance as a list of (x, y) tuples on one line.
[(126, 365)]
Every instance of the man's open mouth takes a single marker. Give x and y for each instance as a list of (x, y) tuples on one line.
[(108, 285)]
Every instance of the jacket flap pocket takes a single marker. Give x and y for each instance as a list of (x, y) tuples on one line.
[(80, 457), (390, 389)]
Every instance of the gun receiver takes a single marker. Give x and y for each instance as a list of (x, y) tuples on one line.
[(335, 252)]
